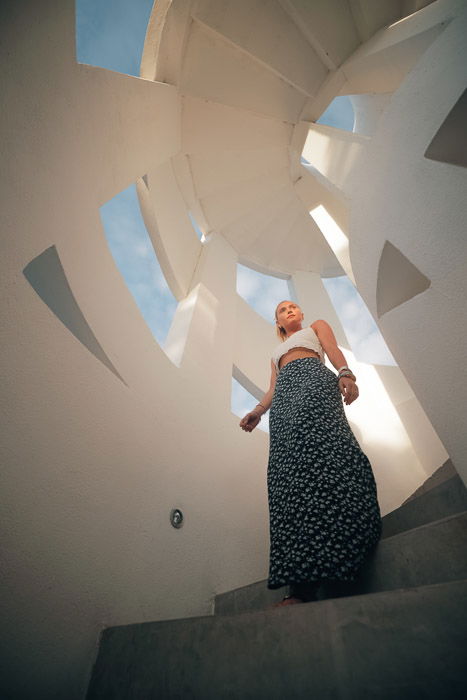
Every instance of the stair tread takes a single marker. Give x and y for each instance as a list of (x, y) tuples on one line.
[(351, 601), (444, 499), (385, 645), (423, 555), (432, 523), (448, 483), (444, 473)]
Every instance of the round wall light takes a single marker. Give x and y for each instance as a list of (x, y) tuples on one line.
[(176, 517)]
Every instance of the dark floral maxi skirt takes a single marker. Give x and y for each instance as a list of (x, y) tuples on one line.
[(323, 507)]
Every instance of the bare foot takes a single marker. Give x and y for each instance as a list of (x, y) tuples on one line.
[(288, 601)]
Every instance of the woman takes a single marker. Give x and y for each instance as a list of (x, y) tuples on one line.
[(323, 507)]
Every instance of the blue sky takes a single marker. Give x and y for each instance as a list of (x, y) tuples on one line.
[(339, 114), (110, 34), (134, 256)]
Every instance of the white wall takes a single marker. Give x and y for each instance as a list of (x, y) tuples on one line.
[(91, 466), (419, 206)]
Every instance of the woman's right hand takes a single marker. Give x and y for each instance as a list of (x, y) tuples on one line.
[(250, 421)]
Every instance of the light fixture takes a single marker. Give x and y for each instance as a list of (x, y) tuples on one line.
[(176, 517)]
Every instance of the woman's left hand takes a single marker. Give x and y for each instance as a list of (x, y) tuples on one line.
[(349, 389)]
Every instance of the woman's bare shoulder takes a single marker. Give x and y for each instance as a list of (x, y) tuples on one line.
[(320, 323)]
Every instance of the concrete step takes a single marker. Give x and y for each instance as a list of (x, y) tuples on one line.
[(428, 554), (254, 596), (447, 498), (406, 644), (444, 472), (424, 555)]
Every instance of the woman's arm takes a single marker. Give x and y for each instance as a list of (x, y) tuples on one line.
[(347, 386), (328, 340), (251, 420)]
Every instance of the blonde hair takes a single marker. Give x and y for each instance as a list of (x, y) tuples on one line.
[(280, 332)]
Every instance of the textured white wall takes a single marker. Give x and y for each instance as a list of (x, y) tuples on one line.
[(418, 205), (92, 467)]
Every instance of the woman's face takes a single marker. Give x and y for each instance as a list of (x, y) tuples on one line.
[(289, 316)]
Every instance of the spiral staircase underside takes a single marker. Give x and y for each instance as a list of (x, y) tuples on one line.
[(254, 76)]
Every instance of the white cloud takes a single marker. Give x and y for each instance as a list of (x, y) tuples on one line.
[(248, 285), (159, 282), (262, 292), (351, 310), (144, 249)]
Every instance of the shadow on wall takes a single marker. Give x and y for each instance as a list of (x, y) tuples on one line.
[(47, 277), (398, 280), (449, 144)]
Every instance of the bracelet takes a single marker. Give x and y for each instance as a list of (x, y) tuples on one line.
[(347, 374), (345, 371)]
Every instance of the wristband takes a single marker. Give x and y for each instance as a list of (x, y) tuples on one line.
[(347, 374)]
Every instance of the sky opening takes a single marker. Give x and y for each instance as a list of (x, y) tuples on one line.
[(262, 292), (365, 339), (136, 259), (197, 229), (339, 114), (242, 402), (110, 33)]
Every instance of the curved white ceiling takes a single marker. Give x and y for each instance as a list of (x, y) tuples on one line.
[(248, 71)]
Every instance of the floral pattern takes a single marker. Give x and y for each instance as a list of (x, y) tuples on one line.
[(323, 506)]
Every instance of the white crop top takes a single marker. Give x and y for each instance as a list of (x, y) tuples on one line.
[(305, 338)]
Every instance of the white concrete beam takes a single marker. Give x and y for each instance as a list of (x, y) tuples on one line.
[(169, 227), (153, 56), (238, 80), (141, 116), (265, 34), (371, 15), (231, 203), (209, 341), (328, 26), (382, 62), (253, 358), (334, 153), (208, 127), (228, 168), (313, 190)]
